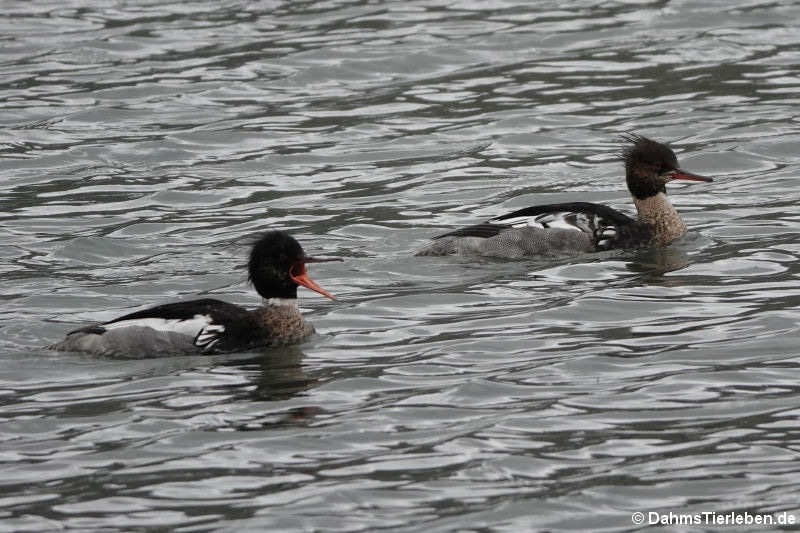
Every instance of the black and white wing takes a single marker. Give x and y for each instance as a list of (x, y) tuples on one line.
[(207, 325), (607, 227)]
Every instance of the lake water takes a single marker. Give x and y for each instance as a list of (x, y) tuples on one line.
[(145, 143)]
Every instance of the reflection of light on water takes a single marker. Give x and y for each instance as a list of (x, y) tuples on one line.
[(277, 373), (657, 261), (143, 146)]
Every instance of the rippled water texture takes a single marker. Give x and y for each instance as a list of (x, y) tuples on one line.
[(145, 143)]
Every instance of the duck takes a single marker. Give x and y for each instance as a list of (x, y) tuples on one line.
[(276, 268), (574, 228)]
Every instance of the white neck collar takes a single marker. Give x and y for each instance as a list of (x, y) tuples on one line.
[(274, 302)]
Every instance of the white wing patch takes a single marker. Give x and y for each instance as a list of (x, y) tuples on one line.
[(519, 222), (189, 326), (606, 236), (561, 220), (200, 328), (209, 336)]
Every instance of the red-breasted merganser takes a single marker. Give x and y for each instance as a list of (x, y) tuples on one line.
[(277, 266), (577, 227)]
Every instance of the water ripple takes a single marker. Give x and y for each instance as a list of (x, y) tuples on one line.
[(143, 145)]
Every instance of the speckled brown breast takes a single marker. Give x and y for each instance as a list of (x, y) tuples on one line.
[(282, 325), (658, 213)]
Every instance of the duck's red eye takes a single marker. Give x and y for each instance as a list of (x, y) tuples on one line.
[(297, 269)]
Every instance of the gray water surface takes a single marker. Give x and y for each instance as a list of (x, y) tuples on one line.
[(144, 144)]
